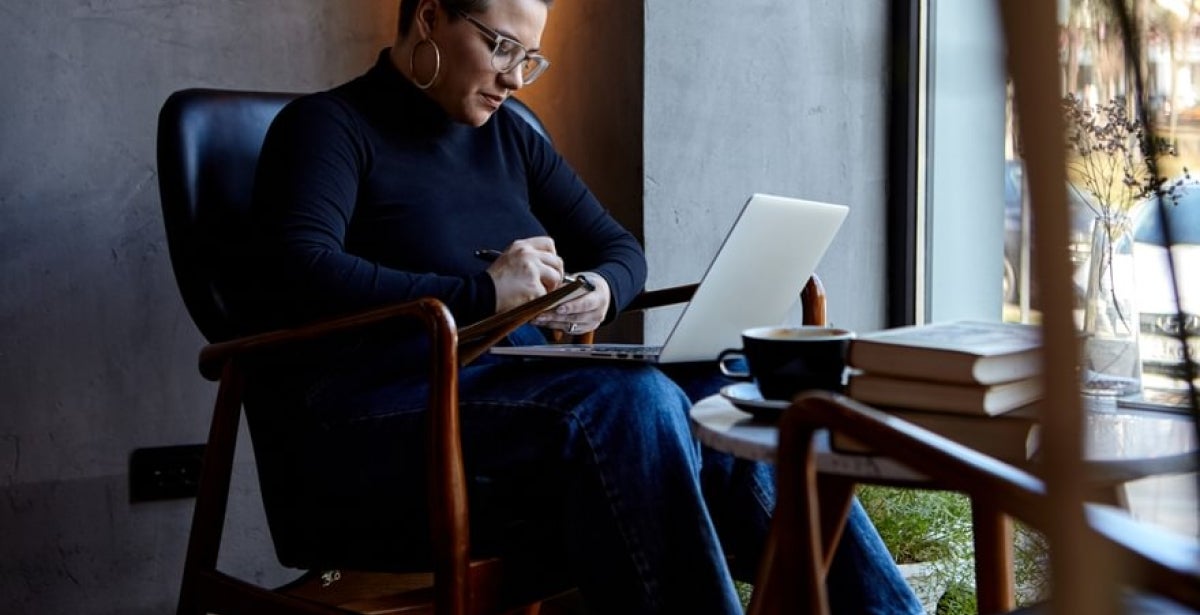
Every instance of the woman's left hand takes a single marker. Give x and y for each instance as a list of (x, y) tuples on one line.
[(582, 314)]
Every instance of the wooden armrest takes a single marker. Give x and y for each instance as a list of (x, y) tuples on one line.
[(644, 301), (663, 296), (432, 312), (950, 464), (1110, 472), (1167, 564), (812, 298), (466, 344), (449, 527)]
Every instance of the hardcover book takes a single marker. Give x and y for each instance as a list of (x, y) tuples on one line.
[(966, 352), (948, 397), (1012, 437)]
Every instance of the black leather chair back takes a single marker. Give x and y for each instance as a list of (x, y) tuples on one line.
[(208, 147), (525, 113)]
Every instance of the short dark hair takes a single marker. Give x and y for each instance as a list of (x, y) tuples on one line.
[(408, 9)]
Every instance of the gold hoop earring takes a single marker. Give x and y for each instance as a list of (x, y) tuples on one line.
[(437, 63)]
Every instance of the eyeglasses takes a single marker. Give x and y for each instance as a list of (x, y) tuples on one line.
[(508, 54)]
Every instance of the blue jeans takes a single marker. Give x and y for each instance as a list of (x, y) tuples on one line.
[(581, 474)]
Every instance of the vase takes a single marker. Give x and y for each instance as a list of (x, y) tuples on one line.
[(1111, 364)]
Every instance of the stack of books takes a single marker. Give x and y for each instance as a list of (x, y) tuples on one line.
[(977, 383)]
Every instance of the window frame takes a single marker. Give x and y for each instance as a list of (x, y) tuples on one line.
[(940, 234)]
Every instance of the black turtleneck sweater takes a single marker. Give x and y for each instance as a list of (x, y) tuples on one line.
[(369, 194)]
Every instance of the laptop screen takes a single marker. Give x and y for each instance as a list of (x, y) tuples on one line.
[(756, 275)]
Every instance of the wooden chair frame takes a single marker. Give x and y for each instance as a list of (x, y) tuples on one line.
[(805, 528), (458, 584), (458, 580)]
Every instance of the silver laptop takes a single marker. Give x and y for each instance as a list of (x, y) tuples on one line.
[(754, 280)]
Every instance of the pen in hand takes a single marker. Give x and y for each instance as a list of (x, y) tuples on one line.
[(487, 255), (491, 256)]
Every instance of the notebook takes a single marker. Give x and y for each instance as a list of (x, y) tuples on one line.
[(754, 280)]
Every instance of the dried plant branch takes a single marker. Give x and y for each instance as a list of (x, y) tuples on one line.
[(1109, 151)]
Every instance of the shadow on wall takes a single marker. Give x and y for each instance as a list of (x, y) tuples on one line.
[(99, 356)]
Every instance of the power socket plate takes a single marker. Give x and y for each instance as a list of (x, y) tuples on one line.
[(165, 472)]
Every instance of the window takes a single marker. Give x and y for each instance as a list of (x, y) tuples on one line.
[(947, 139), (961, 209), (1097, 76)]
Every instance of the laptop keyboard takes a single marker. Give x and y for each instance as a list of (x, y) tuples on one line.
[(644, 351), (618, 351)]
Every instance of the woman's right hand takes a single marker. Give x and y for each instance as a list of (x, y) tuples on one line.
[(527, 269)]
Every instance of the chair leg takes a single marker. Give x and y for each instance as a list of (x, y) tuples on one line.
[(995, 585), (791, 575), (836, 495), (208, 517)]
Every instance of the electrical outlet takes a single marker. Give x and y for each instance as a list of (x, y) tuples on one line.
[(165, 472)]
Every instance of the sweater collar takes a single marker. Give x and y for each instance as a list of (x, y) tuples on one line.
[(397, 92)]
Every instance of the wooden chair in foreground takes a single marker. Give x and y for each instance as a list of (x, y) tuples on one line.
[(791, 580), (208, 146)]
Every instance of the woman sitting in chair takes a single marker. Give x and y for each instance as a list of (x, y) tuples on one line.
[(382, 190)]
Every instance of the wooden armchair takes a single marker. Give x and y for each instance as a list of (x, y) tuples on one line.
[(208, 146)]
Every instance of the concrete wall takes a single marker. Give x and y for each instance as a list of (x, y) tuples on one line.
[(97, 355), (766, 96)]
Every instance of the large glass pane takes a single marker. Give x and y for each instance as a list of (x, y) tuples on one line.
[(1099, 83)]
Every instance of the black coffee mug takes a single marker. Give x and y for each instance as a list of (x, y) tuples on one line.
[(786, 360)]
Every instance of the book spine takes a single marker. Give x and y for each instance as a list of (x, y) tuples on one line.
[(956, 370), (919, 395)]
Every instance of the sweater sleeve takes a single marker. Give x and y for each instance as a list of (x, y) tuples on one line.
[(306, 189), (585, 233)]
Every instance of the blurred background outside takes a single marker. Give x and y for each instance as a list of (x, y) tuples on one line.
[(1095, 71)]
